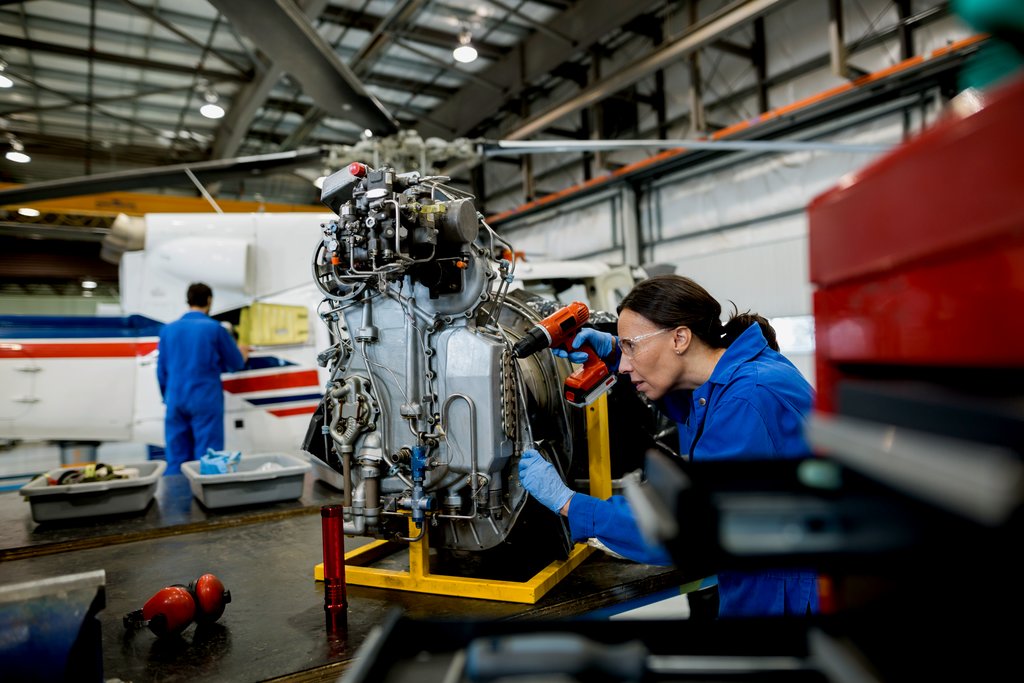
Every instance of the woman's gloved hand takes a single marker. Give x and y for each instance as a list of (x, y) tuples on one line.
[(602, 343), (542, 481)]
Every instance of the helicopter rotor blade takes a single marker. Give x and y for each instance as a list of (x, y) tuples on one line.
[(493, 148), (161, 176)]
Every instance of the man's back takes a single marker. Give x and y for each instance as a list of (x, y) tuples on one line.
[(194, 350)]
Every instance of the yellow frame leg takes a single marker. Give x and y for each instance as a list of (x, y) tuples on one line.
[(419, 578), (599, 447)]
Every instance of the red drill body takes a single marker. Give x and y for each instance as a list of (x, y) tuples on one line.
[(558, 330)]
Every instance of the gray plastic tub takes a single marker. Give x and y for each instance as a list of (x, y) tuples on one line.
[(92, 499), (249, 485), (324, 472)]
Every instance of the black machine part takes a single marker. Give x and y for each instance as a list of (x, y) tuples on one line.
[(811, 513)]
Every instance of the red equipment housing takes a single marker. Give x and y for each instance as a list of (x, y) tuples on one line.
[(917, 259)]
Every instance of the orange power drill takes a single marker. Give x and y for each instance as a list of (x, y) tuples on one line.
[(590, 380)]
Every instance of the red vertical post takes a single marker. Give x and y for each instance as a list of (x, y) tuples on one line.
[(335, 599)]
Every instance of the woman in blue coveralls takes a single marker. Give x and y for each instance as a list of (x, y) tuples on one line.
[(193, 352), (733, 395)]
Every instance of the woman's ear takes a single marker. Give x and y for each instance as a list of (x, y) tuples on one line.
[(681, 339)]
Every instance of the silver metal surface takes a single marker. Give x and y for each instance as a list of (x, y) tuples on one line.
[(427, 412)]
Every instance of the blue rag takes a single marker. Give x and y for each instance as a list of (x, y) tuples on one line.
[(219, 462)]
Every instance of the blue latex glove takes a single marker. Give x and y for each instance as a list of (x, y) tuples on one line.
[(542, 481), (602, 343), (219, 462)]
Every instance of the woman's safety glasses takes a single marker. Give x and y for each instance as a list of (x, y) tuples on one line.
[(629, 344)]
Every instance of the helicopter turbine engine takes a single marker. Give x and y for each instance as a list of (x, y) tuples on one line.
[(427, 410)]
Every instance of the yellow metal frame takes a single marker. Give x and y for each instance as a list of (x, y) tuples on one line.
[(419, 578)]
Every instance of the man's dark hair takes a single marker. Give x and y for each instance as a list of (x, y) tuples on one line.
[(199, 294)]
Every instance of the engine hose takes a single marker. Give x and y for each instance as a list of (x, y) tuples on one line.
[(347, 439), (344, 440)]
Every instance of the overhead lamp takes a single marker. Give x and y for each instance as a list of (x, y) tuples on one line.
[(465, 52), (17, 151), (28, 212), (367, 133), (5, 81), (88, 284), (211, 109)]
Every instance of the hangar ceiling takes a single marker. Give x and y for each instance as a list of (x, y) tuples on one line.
[(105, 87), (113, 84)]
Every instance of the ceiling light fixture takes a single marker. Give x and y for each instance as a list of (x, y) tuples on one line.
[(211, 109), (17, 151), (465, 52), (5, 81), (28, 212), (88, 284)]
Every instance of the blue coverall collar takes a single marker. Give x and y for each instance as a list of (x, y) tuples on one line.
[(746, 347)]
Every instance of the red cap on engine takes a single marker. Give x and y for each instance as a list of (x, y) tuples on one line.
[(357, 169)]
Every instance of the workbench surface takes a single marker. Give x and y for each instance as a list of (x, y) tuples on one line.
[(174, 510), (274, 627)]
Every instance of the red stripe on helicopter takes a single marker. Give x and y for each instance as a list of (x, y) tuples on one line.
[(301, 410), (289, 380), (17, 350)]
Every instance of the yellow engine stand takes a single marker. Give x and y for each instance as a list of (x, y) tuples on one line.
[(419, 578)]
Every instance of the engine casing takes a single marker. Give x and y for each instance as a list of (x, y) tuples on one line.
[(427, 411)]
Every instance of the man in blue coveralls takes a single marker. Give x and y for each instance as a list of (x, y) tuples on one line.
[(193, 352)]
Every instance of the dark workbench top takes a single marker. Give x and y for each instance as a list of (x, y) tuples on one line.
[(174, 510), (274, 626)]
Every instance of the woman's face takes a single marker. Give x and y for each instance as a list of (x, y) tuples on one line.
[(648, 355)]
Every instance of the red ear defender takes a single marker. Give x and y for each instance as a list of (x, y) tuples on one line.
[(172, 609), (211, 598), (168, 612)]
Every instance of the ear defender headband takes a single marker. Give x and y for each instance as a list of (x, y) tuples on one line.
[(172, 609)]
